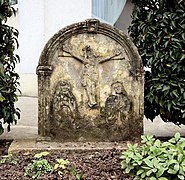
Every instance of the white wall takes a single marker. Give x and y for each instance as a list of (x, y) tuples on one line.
[(39, 20), (61, 13), (31, 37)]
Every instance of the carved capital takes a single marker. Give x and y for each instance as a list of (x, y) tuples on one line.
[(44, 70)]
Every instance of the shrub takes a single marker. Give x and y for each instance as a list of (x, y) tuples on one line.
[(157, 29), (155, 160), (8, 77)]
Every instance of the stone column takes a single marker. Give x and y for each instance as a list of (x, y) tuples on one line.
[(44, 73)]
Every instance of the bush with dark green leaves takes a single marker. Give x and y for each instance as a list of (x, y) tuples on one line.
[(8, 77), (158, 31), (155, 160)]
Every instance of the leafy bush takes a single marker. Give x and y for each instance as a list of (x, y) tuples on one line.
[(8, 77), (157, 30), (155, 160)]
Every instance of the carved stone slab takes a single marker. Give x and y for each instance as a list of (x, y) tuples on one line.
[(90, 80)]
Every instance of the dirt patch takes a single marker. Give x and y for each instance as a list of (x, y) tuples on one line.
[(93, 164)]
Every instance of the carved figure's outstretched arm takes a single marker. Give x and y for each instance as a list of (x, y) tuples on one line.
[(113, 57), (65, 49)]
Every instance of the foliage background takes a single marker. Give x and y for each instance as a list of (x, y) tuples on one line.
[(8, 77), (158, 31)]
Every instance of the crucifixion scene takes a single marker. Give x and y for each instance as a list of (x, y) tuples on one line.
[(90, 72), (90, 89)]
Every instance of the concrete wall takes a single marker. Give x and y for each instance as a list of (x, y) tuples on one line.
[(37, 21)]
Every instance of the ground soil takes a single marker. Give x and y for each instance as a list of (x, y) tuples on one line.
[(95, 165)]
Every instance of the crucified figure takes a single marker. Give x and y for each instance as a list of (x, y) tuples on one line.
[(90, 74)]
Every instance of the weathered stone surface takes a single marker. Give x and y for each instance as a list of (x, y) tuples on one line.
[(90, 80)]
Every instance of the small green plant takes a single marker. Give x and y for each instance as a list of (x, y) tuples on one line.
[(75, 173), (60, 166), (38, 166), (155, 160), (8, 159)]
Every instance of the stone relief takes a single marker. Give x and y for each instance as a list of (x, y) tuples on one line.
[(117, 105), (64, 105), (90, 74), (90, 85)]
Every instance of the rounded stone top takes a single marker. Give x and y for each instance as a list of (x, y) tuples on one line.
[(89, 26)]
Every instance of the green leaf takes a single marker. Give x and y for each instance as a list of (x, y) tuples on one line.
[(180, 176), (139, 172), (156, 163), (123, 165), (172, 140), (128, 160), (177, 136), (165, 87), (128, 169), (175, 93), (148, 173), (162, 178), (56, 166), (143, 175), (160, 172), (172, 171), (154, 170), (149, 163), (153, 178), (39, 155), (176, 167), (157, 143), (169, 106), (2, 98)]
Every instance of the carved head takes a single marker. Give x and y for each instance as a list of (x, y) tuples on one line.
[(64, 86), (87, 52), (117, 88)]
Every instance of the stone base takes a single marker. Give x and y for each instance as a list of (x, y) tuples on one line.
[(43, 139), (33, 145)]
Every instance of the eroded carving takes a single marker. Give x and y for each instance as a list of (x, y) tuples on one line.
[(92, 25), (44, 70), (117, 105), (64, 105), (87, 92), (90, 61)]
